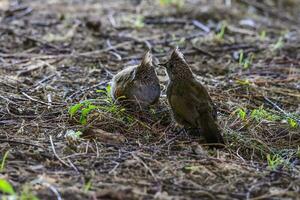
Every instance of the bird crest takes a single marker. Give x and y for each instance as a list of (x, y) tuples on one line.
[(146, 60), (177, 55)]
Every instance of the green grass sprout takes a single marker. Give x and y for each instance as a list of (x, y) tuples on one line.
[(6, 187), (3, 161)]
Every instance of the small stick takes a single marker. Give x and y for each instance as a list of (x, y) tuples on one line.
[(20, 142), (200, 25), (42, 81), (53, 189), (170, 141), (55, 154), (35, 100), (115, 167), (73, 166), (204, 52), (144, 164)]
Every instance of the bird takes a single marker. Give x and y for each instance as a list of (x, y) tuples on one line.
[(137, 84), (191, 104)]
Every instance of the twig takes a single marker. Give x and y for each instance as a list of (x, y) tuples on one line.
[(174, 138), (51, 187), (204, 52), (97, 148), (32, 99), (8, 100), (35, 86), (169, 141), (200, 25), (54, 190), (145, 165), (73, 166), (114, 168), (20, 142), (55, 154), (234, 47), (165, 21)]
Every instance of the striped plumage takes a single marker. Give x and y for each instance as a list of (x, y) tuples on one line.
[(138, 84), (190, 102)]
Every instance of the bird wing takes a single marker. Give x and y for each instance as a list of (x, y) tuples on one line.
[(183, 103), (207, 118), (189, 99), (200, 95), (192, 104)]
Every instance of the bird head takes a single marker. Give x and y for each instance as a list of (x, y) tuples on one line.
[(176, 66), (145, 70)]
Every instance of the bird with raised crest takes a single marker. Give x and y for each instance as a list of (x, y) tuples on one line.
[(190, 102), (137, 84)]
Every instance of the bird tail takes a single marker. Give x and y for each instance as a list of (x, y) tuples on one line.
[(211, 130)]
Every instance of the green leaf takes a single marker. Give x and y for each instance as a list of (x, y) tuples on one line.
[(191, 168), (165, 2), (221, 34), (292, 123), (177, 3), (108, 90), (73, 135), (262, 35), (181, 41), (121, 97), (246, 64), (3, 161), (152, 111), (279, 44), (274, 161), (85, 112), (74, 109), (87, 102), (242, 113), (139, 22), (241, 57), (122, 109), (101, 91), (260, 114), (243, 82), (298, 152), (245, 61), (87, 186), (6, 187)]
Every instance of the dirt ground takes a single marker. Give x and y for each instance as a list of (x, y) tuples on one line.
[(55, 54)]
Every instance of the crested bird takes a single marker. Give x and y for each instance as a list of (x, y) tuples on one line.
[(189, 100), (138, 84)]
